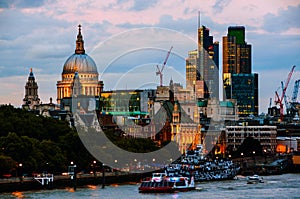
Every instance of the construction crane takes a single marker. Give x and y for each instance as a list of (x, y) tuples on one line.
[(287, 104), (159, 71), (278, 100)]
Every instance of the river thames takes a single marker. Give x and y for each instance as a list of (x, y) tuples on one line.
[(277, 186)]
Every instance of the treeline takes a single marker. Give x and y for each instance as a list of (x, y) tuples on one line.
[(41, 144), (37, 143)]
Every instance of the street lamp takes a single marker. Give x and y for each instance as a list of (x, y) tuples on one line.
[(103, 176), (20, 169), (94, 168), (72, 173)]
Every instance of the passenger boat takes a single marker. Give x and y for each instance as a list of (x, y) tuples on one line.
[(166, 184), (156, 187), (254, 179)]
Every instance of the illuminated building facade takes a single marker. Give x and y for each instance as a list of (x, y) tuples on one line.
[(86, 69), (238, 80), (202, 66), (208, 67)]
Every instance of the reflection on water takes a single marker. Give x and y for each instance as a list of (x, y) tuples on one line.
[(18, 194), (280, 186)]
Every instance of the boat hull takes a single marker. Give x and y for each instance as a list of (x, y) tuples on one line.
[(156, 187)]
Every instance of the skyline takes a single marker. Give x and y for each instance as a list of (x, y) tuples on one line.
[(41, 35)]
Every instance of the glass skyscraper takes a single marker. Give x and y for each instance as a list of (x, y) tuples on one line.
[(238, 80), (202, 66)]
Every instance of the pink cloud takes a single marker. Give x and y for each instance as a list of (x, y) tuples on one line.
[(235, 11)]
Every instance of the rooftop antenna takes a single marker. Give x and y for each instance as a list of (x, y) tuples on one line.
[(199, 19)]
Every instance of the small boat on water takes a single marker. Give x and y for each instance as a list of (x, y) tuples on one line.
[(166, 184), (254, 179)]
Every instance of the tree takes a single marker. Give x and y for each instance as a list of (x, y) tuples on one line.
[(248, 146)]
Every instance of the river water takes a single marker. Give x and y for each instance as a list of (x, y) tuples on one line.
[(277, 186)]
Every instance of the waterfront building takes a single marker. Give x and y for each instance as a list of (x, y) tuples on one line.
[(237, 72), (31, 100), (266, 135), (87, 72), (288, 144)]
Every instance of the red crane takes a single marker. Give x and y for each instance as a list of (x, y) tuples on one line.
[(278, 100), (159, 71)]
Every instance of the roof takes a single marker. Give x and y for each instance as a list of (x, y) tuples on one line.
[(81, 63), (226, 104)]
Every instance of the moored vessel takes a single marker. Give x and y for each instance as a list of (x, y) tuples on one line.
[(194, 164), (254, 179)]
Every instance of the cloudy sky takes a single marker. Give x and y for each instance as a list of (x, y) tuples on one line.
[(127, 38)]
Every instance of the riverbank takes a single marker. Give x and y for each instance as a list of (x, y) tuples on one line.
[(248, 165), (29, 183), (262, 165)]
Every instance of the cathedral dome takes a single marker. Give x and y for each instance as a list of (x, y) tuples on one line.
[(81, 63), (79, 75)]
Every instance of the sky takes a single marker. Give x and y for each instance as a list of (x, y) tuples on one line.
[(128, 38)]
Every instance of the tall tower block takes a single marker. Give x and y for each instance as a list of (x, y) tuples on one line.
[(238, 80)]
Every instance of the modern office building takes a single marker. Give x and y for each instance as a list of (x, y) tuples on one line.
[(238, 80), (192, 75), (208, 63), (128, 102), (236, 52), (202, 66), (245, 91)]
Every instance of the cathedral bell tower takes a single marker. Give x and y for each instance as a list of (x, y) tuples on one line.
[(31, 99)]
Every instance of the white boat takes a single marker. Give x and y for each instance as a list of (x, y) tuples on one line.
[(167, 185), (254, 179)]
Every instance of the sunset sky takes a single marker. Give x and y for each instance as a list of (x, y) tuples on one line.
[(41, 35)]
